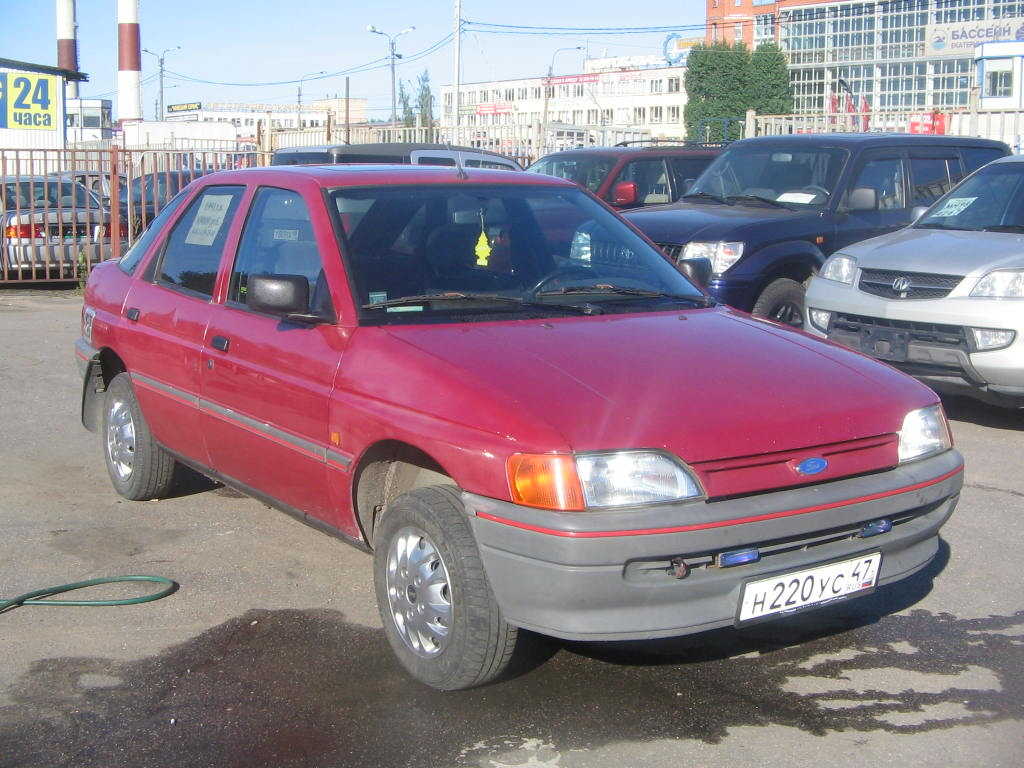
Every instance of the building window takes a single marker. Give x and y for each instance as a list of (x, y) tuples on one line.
[(591, 117), (655, 114), (737, 30), (577, 90), (998, 79), (673, 114), (607, 116), (764, 28), (657, 86), (639, 115), (673, 85)]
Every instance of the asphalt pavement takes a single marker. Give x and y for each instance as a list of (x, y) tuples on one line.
[(271, 652)]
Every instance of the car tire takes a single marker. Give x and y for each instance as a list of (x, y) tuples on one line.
[(139, 468), (446, 628), (782, 301)]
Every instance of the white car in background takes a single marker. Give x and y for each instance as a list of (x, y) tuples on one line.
[(943, 299)]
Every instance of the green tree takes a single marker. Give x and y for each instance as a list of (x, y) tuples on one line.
[(770, 81), (424, 100), (406, 114), (724, 80)]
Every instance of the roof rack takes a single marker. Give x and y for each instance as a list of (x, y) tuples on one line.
[(675, 143)]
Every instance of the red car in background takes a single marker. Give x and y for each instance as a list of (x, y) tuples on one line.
[(532, 427), (632, 174)]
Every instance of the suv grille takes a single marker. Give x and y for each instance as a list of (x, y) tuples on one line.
[(952, 336), (918, 285)]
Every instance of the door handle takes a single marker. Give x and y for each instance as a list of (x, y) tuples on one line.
[(221, 342), (132, 314)]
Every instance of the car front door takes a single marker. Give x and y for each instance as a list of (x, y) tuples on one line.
[(884, 173), (167, 310), (266, 382)]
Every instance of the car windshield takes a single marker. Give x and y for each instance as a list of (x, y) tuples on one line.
[(992, 199), (418, 253), (160, 187), (794, 177), (29, 194), (586, 171)]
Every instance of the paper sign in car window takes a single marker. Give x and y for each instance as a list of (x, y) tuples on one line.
[(796, 197), (208, 221), (286, 234), (954, 206)]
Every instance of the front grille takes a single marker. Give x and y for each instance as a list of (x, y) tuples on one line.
[(951, 336), (921, 285), (673, 251)]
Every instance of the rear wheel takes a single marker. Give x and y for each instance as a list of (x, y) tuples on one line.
[(782, 301), (139, 468), (439, 613)]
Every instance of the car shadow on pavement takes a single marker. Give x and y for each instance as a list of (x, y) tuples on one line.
[(983, 414), (308, 688)]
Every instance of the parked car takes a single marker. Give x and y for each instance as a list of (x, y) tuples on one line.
[(411, 359), (767, 213), (148, 193), (629, 175), (49, 226), (96, 181), (390, 154), (943, 299)]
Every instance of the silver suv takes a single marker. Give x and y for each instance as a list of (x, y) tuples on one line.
[(942, 299)]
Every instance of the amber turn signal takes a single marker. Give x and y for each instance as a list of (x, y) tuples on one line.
[(547, 480)]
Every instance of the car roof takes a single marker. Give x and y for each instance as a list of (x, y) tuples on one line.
[(359, 175), (864, 140), (665, 149), (394, 150), (1009, 159)]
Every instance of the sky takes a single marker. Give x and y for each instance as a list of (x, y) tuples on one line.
[(261, 41)]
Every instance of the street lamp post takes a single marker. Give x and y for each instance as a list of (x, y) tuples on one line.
[(160, 60), (298, 112), (392, 55), (544, 117)]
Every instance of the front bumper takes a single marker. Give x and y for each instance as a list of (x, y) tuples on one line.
[(607, 575), (940, 351)]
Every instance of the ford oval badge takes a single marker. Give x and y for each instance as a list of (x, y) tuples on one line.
[(812, 466)]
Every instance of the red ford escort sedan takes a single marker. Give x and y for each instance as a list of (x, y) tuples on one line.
[(526, 412)]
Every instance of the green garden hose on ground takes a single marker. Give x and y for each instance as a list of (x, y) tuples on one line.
[(38, 597)]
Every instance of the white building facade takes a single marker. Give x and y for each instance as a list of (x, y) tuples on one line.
[(248, 118), (638, 92)]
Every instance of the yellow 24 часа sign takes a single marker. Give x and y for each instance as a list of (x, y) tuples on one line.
[(28, 101)]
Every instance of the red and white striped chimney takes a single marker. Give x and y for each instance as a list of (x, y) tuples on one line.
[(67, 42), (129, 62)]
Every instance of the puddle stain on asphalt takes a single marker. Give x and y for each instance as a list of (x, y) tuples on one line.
[(307, 688)]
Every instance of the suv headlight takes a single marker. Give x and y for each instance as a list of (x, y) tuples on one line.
[(840, 267), (1001, 284), (722, 255), (925, 432)]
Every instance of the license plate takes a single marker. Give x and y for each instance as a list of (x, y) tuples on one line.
[(884, 343), (815, 586)]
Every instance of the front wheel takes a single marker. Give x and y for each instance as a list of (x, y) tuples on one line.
[(139, 468), (439, 613), (782, 301)]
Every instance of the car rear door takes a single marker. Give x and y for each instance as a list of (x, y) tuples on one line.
[(167, 311), (266, 383), (885, 172), (933, 172)]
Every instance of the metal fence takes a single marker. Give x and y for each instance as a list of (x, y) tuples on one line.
[(65, 210)]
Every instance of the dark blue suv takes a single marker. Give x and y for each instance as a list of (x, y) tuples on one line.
[(764, 216)]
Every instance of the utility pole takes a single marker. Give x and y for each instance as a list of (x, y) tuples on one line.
[(160, 61), (298, 111), (546, 85), (392, 55), (348, 134), (456, 97)]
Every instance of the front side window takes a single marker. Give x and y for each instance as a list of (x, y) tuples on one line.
[(589, 172), (792, 177), (885, 177), (192, 254), (931, 178), (991, 200), (278, 240), (496, 249), (651, 179)]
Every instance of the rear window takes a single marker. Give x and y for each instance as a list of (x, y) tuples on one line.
[(302, 158)]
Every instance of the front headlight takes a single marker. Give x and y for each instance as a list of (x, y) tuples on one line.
[(841, 268), (722, 255), (1001, 284), (925, 432), (626, 478)]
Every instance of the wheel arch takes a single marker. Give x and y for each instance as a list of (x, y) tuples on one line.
[(100, 371)]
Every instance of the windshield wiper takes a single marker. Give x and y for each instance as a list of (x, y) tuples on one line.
[(756, 198), (1004, 228), (639, 293), (707, 196), (937, 225), (405, 301)]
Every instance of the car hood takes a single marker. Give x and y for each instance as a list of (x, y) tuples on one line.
[(683, 222), (703, 384), (952, 252)]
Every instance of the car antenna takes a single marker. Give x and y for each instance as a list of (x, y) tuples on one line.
[(460, 170)]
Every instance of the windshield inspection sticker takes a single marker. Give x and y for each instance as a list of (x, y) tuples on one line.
[(376, 297), (208, 221), (954, 205)]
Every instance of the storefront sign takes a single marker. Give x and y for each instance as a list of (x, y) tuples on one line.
[(30, 101), (565, 79), (190, 107), (959, 38), (493, 108)]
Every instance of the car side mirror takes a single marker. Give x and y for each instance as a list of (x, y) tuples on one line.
[(284, 295), (697, 270), (917, 212), (624, 193), (863, 199)]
